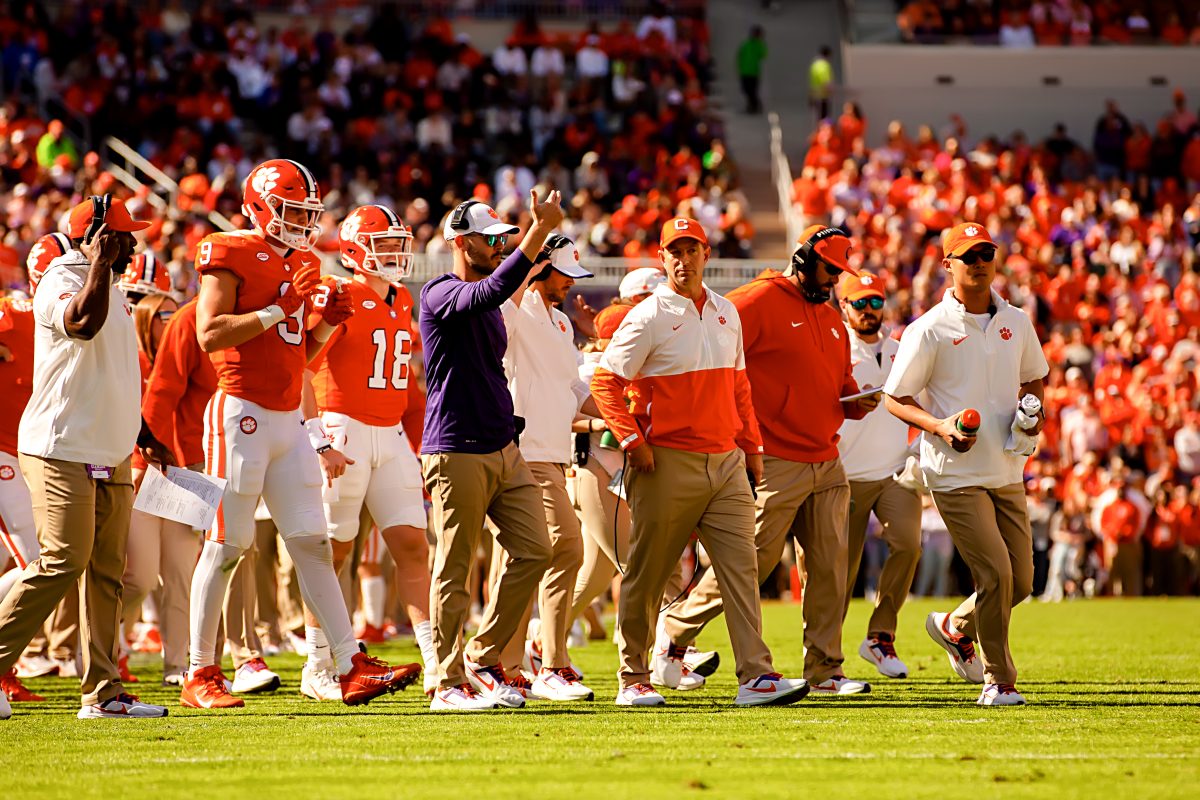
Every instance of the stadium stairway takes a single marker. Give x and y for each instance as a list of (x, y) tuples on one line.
[(795, 31)]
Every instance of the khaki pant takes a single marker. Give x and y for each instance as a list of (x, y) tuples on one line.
[(82, 525), (58, 638), (1125, 567), (241, 611), (689, 492), (603, 548), (899, 511), (808, 501), (465, 488), (558, 584), (162, 549), (990, 528)]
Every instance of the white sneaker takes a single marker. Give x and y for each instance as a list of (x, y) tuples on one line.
[(36, 667), (460, 698), (254, 677), (561, 684), (299, 643), (532, 661), (702, 662), (123, 706), (1000, 694), (880, 650), (839, 685), (672, 673), (5, 708), (320, 683), (771, 689), (959, 648), (492, 683), (175, 678), (67, 667), (640, 695)]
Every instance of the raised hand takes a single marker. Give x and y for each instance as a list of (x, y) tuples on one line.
[(548, 215)]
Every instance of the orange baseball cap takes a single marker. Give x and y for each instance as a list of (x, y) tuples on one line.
[(856, 287), (835, 249), (117, 219), (609, 319), (963, 237), (682, 228)]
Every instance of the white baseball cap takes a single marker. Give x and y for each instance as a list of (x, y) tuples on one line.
[(643, 280), (564, 257), (476, 217)]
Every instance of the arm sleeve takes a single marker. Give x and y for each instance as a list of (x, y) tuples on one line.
[(914, 365), (449, 298), (621, 363)]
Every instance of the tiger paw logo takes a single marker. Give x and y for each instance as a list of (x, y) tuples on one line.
[(721, 320), (1005, 334), (7, 473), (350, 227), (265, 180), (971, 230), (492, 213), (248, 425)]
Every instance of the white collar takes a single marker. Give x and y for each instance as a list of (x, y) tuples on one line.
[(949, 299), (680, 304)]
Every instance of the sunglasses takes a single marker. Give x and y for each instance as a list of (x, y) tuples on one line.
[(493, 239), (875, 303), (973, 257)]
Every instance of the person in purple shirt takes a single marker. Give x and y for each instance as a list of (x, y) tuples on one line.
[(471, 464)]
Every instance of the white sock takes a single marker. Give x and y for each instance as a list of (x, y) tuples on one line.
[(313, 556), (374, 590), (210, 581), (424, 633), (950, 626), (319, 656)]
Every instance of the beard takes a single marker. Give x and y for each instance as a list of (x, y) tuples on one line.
[(868, 327), (814, 292)]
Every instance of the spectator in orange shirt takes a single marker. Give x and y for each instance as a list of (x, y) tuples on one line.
[(1121, 530)]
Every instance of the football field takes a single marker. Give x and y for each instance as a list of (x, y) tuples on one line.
[(1114, 691)]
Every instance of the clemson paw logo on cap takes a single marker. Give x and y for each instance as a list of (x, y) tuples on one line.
[(971, 230), (265, 180), (350, 226), (248, 425), (866, 280), (7, 473), (492, 213)]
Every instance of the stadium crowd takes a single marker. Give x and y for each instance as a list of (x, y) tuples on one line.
[(1100, 247), (1078, 23)]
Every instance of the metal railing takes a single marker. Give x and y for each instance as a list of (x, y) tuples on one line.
[(135, 163), (781, 174)]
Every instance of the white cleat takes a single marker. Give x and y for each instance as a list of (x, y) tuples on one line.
[(320, 683), (771, 689), (840, 685), (67, 667), (254, 677), (1000, 694), (460, 698), (175, 678), (36, 667), (959, 649), (671, 672), (5, 708), (642, 694), (492, 683), (561, 684), (703, 663), (123, 706), (880, 650)]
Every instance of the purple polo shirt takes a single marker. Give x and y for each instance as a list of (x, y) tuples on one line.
[(469, 409)]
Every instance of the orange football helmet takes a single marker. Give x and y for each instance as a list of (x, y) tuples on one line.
[(45, 250), (279, 186), (146, 274), (360, 233)]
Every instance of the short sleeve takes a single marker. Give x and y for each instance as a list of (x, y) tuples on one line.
[(54, 293), (913, 366), (1033, 360)]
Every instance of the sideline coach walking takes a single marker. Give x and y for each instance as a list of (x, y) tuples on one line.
[(974, 350), (471, 465), (74, 443)]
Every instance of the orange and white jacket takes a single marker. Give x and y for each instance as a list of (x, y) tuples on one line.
[(688, 374)]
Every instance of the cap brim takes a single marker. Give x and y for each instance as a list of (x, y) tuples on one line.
[(497, 229), (132, 227), (573, 271), (966, 245), (861, 293)]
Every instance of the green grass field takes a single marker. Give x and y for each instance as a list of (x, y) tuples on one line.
[(1114, 691)]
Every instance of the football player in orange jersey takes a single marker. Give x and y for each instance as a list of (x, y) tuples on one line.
[(359, 388), (17, 533), (250, 319)]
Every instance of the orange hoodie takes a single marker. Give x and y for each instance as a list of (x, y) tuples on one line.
[(798, 362)]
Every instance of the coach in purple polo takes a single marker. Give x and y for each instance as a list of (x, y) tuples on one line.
[(471, 464)]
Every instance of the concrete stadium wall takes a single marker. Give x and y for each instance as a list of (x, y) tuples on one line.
[(999, 90)]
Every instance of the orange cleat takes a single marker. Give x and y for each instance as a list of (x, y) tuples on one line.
[(149, 640), (369, 677), (206, 688), (371, 634), (123, 666), (11, 685)]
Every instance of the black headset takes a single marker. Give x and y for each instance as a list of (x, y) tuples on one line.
[(100, 206), (553, 242), (802, 260), (458, 220)]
